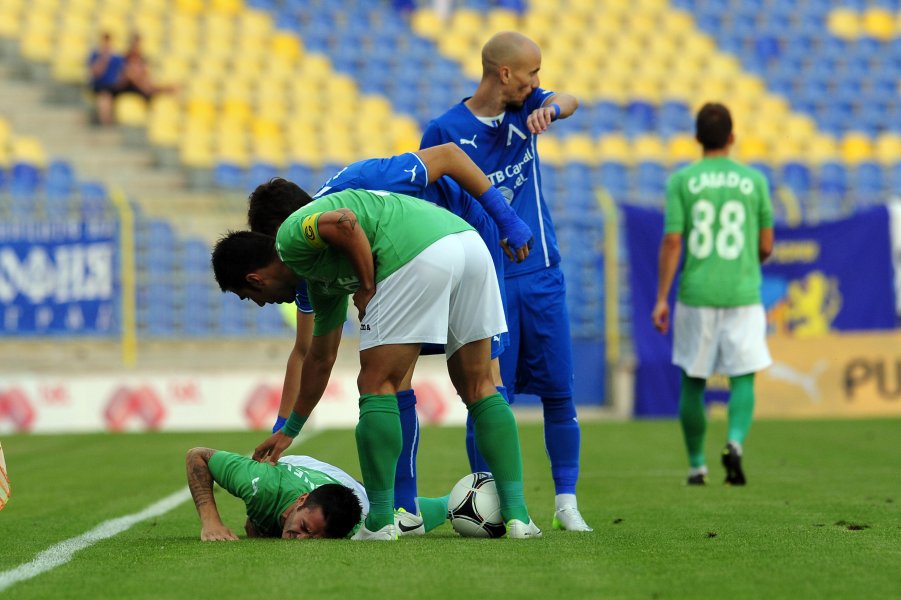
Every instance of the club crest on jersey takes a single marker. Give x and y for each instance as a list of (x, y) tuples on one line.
[(310, 233), (511, 130)]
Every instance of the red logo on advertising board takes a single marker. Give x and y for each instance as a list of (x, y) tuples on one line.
[(16, 408), (139, 406), (430, 403), (262, 405)]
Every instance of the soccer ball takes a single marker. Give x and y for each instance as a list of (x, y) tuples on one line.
[(474, 509)]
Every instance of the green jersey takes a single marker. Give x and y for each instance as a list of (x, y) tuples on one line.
[(266, 489), (719, 206), (398, 227)]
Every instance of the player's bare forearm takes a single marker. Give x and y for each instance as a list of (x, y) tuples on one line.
[(200, 480), (302, 341), (316, 370), (568, 104), (670, 253), (765, 244), (449, 159)]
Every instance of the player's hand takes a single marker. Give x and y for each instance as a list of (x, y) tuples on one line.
[(540, 119), (217, 532), (361, 301), (270, 450), (516, 237), (521, 253), (660, 316)]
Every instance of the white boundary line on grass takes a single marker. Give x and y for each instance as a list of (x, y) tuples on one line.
[(61, 553)]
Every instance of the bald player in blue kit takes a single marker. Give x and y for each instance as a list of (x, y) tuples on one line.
[(498, 127)]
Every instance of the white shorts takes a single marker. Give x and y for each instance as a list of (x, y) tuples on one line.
[(447, 295), (729, 341), (308, 462)]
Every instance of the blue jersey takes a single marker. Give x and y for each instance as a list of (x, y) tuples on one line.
[(407, 174), (508, 155)]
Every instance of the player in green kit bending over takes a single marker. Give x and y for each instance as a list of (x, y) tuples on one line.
[(721, 211), (297, 498), (418, 274)]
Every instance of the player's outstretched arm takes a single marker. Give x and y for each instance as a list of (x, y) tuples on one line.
[(291, 385), (765, 243), (448, 159), (317, 368), (200, 482)]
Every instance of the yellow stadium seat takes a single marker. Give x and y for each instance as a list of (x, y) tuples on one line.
[(190, 7), (820, 148), (886, 149), (615, 147), (131, 110), (550, 149), (465, 21), (844, 23), (751, 148), (682, 147), (502, 19), (28, 149), (427, 22), (580, 148), (649, 147), (878, 23), (856, 147), (228, 7)]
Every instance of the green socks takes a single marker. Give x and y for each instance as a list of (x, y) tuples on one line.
[(693, 418), (497, 439), (433, 511), (379, 443), (741, 407)]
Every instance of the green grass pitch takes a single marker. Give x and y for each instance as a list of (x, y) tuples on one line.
[(820, 518)]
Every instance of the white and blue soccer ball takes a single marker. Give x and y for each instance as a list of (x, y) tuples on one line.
[(474, 508)]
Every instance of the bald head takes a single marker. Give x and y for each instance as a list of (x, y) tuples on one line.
[(507, 49)]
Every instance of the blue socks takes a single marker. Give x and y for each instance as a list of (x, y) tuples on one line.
[(476, 461), (405, 474), (562, 438)]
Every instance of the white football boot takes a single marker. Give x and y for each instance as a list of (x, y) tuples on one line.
[(518, 530), (386, 534), (406, 523)]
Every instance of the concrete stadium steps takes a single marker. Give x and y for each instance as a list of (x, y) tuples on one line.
[(106, 154)]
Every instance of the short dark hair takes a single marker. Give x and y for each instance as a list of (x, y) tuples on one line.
[(239, 253), (713, 126), (340, 508), (273, 202)]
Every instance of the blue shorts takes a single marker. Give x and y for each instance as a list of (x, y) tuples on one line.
[(499, 343), (539, 359)]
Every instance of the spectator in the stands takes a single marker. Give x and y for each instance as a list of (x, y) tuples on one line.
[(135, 77), (106, 69)]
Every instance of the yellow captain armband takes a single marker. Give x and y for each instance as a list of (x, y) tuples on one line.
[(311, 231)]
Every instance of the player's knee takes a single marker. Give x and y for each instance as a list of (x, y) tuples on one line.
[(558, 410)]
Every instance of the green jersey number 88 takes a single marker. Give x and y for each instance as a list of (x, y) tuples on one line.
[(728, 241)]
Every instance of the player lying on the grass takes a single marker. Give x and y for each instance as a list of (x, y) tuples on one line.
[(434, 174), (297, 498), (418, 274)]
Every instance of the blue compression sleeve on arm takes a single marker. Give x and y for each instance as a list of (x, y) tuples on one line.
[(509, 225), (556, 108), (279, 422)]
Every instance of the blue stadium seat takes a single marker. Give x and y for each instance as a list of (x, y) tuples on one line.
[(228, 176), (260, 172), (24, 181), (615, 177), (640, 117), (94, 199), (60, 180), (797, 176), (832, 179)]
